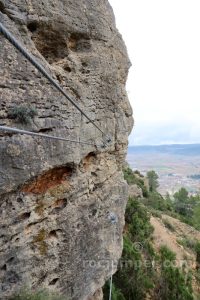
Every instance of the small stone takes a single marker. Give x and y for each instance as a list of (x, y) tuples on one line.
[(13, 150)]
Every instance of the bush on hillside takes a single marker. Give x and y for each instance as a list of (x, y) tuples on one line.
[(174, 283)]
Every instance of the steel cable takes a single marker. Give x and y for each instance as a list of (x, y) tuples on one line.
[(20, 131), (41, 69)]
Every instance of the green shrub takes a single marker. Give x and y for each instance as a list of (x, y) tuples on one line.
[(166, 254), (174, 283), (134, 279), (196, 216), (153, 180), (138, 220), (136, 276), (197, 249), (116, 293), (188, 243), (22, 114), (40, 295), (157, 202), (156, 213), (168, 225), (138, 173)]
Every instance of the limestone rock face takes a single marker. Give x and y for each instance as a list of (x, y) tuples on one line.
[(57, 199), (135, 191)]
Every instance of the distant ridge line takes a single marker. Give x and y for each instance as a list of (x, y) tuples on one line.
[(193, 144), (174, 149)]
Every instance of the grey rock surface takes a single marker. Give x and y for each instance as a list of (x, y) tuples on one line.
[(56, 197), (135, 191)]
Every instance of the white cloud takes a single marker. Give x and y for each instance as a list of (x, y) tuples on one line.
[(165, 133), (163, 43)]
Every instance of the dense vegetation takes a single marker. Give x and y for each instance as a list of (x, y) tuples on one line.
[(134, 279), (39, 295), (141, 271), (187, 207), (180, 205), (175, 283)]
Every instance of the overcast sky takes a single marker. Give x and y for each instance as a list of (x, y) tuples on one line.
[(163, 41)]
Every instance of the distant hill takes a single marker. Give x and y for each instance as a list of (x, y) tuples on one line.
[(179, 149)]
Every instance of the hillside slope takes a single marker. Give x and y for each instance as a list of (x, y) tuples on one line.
[(164, 236), (174, 239), (160, 258)]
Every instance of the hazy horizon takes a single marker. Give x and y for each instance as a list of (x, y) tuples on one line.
[(154, 145), (163, 84)]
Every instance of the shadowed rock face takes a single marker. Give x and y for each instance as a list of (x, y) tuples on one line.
[(56, 197)]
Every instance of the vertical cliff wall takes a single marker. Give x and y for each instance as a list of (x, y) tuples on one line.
[(57, 198)]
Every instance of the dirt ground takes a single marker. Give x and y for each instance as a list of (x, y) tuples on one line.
[(164, 236)]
